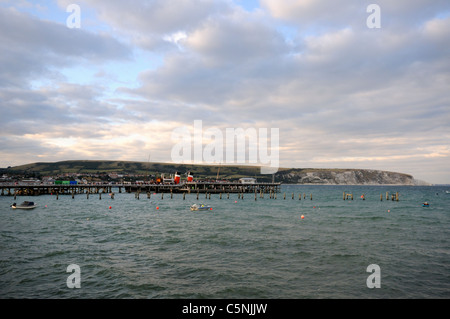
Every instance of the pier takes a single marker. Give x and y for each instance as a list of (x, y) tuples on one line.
[(206, 187), (50, 189), (188, 187)]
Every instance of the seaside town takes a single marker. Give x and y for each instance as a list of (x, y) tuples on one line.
[(78, 178)]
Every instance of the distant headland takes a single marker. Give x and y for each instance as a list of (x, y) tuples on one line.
[(101, 170)]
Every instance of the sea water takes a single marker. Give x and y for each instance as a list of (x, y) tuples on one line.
[(242, 248)]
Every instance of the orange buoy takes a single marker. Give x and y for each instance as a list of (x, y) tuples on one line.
[(109, 207), (157, 207), (303, 217)]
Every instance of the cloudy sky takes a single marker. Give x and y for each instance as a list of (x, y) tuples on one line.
[(116, 86)]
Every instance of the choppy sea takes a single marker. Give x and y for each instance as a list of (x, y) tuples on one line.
[(242, 248)]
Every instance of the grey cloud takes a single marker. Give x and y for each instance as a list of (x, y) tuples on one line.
[(32, 47), (147, 22), (320, 16)]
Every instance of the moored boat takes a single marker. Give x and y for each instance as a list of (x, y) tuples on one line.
[(425, 204), (196, 207), (24, 205)]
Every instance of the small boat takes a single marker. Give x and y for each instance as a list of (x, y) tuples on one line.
[(24, 205), (425, 204), (196, 207)]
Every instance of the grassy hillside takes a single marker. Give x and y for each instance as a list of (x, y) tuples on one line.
[(230, 172)]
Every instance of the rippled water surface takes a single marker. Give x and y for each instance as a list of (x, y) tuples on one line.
[(241, 249)]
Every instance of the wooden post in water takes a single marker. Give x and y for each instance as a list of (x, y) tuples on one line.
[(396, 196), (299, 196), (381, 197), (197, 194), (343, 196), (387, 195), (284, 197), (184, 196), (100, 195), (311, 196), (292, 195), (228, 195)]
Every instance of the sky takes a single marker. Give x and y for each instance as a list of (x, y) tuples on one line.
[(345, 86)]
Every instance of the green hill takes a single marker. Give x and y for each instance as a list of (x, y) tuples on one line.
[(230, 172)]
